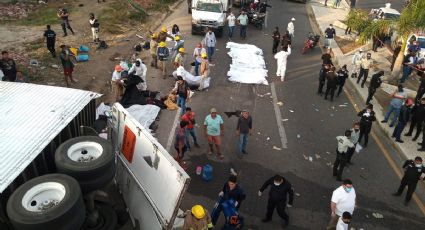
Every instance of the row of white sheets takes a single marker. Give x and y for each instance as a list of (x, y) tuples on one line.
[(248, 65)]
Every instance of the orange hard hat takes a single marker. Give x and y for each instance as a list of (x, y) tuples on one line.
[(118, 68)]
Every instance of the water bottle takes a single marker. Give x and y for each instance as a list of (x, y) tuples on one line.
[(207, 172)]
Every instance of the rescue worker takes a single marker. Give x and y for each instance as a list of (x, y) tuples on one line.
[(332, 82), (276, 39), (281, 58), (366, 64), (413, 172), (50, 37), (153, 48), (204, 66), (117, 84), (367, 116), (356, 61), (374, 84), (178, 44), (163, 54), (180, 57), (341, 154), (342, 75), (290, 28), (139, 69), (163, 34), (354, 138), (280, 189), (197, 218)]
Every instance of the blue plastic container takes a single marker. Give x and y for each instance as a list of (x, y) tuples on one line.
[(82, 57), (83, 48), (207, 172)]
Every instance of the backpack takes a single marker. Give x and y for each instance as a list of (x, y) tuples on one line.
[(102, 45), (163, 53)]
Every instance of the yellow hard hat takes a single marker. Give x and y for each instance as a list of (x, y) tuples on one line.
[(177, 38), (154, 35), (164, 29), (181, 50), (204, 55), (198, 211), (162, 44)]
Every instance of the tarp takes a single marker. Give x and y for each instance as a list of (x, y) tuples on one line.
[(144, 114), (248, 65)]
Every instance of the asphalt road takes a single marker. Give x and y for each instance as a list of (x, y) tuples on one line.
[(311, 126)]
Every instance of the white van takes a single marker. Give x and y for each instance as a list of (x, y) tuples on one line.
[(56, 175), (210, 14)]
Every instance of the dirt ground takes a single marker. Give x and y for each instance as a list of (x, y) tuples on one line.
[(26, 42)]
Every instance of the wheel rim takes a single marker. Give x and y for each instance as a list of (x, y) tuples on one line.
[(43, 196), (85, 151)]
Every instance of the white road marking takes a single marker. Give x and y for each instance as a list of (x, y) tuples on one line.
[(171, 137), (282, 132)]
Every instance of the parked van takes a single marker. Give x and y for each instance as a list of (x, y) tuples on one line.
[(210, 14)]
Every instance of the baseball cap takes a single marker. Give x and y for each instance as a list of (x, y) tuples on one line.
[(213, 110)]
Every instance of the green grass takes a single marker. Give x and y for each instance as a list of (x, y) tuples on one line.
[(117, 14), (43, 16)]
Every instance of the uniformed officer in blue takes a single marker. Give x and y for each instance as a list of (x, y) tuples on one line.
[(413, 172)]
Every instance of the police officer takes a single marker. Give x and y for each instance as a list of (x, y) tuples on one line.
[(332, 83), (280, 188), (375, 83), (322, 77), (50, 36), (413, 172), (341, 154), (342, 76), (367, 116), (276, 39)]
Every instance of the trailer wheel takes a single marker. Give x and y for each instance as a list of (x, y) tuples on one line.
[(89, 159), (51, 202), (107, 219)]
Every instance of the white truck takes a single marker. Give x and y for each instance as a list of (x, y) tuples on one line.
[(55, 176), (209, 14)]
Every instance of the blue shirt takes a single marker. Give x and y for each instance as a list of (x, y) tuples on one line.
[(213, 125)]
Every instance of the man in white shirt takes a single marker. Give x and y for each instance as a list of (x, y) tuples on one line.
[(231, 22), (291, 28), (210, 42), (343, 200), (343, 221), (139, 69), (357, 61), (341, 154), (243, 22), (282, 58), (197, 54), (117, 85)]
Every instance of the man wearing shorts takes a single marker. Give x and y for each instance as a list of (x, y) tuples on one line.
[(213, 126), (67, 65)]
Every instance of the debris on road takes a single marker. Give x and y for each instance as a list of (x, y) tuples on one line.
[(310, 159), (276, 148), (297, 194), (317, 156), (298, 136), (258, 133), (377, 215), (291, 111), (305, 157), (285, 119), (55, 66), (279, 103), (342, 105), (268, 138)]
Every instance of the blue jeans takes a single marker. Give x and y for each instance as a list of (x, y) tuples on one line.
[(243, 139), (231, 30), (243, 31), (392, 109), (210, 51), (181, 102), (406, 73), (398, 130), (197, 64), (192, 133)]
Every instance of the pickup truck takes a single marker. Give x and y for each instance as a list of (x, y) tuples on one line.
[(209, 14), (58, 173)]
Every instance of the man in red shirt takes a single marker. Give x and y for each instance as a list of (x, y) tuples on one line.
[(189, 117)]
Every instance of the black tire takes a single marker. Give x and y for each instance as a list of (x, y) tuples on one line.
[(92, 174), (68, 214), (107, 218)]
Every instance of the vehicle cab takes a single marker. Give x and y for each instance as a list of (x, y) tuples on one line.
[(209, 14)]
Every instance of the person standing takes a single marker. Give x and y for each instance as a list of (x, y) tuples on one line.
[(177, 46), (336, 3), (153, 49), (67, 64), (163, 54), (409, 61), (343, 200), (356, 61), (396, 51), (94, 25), (285, 39), (243, 23), (282, 58), (366, 64), (50, 37), (418, 117), (139, 69), (214, 129), (354, 138), (64, 16), (327, 57), (276, 39), (204, 66), (231, 23), (398, 97), (342, 75), (197, 54), (182, 90), (243, 129), (330, 33), (413, 172), (210, 42), (8, 67), (353, 4), (375, 83), (332, 83), (341, 154), (231, 191), (291, 28), (117, 84), (180, 142), (367, 116), (189, 118), (197, 218), (280, 190), (403, 118), (344, 221), (421, 89), (322, 77)]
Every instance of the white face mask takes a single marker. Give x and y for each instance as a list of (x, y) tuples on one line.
[(418, 165), (276, 183)]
